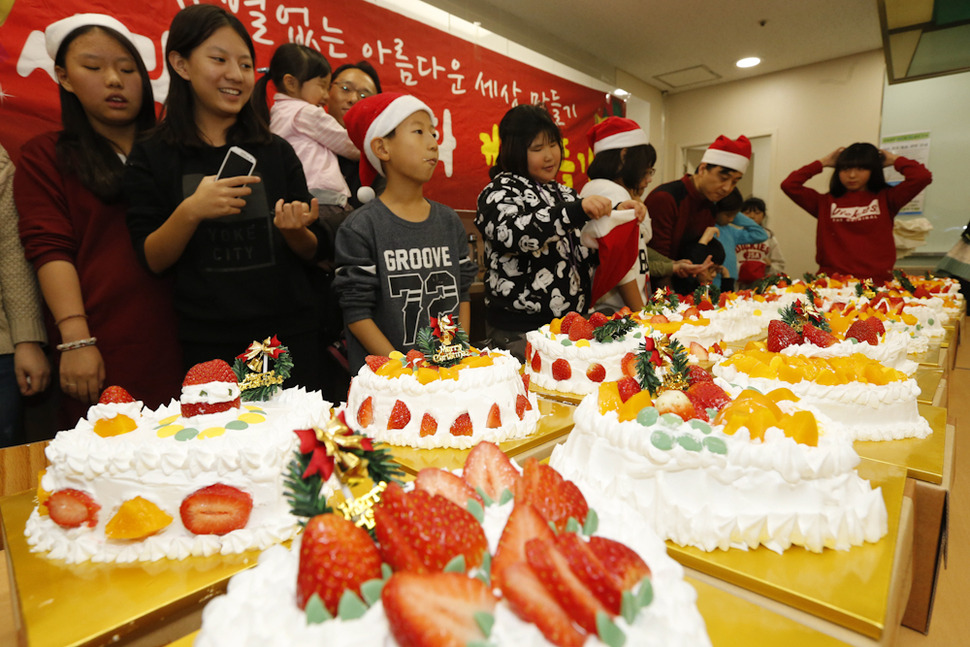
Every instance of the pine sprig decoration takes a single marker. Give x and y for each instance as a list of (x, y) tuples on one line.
[(769, 281), (662, 299), (791, 316), (677, 375), (614, 329), (904, 281), (382, 467), (808, 277), (646, 371), (711, 291), (426, 342), (304, 495), (815, 317)]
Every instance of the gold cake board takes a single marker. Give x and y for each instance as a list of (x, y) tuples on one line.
[(59, 605), (932, 385), (850, 589), (555, 423), (556, 396), (924, 459)]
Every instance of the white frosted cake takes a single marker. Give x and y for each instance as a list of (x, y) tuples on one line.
[(133, 491), (260, 606), (723, 485), (852, 395), (402, 401), (578, 363)]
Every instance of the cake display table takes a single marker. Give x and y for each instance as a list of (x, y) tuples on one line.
[(854, 589)]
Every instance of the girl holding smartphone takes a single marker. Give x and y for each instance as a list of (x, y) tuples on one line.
[(240, 248)]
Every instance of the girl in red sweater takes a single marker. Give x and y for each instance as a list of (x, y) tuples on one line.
[(855, 218), (112, 322)]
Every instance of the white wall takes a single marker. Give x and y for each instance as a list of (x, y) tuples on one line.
[(940, 106), (807, 111)]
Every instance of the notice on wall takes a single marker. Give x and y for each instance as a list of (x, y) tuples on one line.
[(915, 146)]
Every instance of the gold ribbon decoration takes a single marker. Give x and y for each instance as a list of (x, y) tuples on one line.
[(253, 356), (336, 438)]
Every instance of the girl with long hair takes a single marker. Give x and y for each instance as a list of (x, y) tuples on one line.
[(240, 247), (111, 320)]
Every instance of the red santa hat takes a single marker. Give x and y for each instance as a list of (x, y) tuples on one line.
[(377, 116), (617, 237), (615, 132), (729, 153), (56, 32)]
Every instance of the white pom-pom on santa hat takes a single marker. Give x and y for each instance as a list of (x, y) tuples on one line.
[(729, 153), (377, 116), (614, 133)]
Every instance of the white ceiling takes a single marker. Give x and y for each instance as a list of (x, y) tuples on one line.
[(651, 39)]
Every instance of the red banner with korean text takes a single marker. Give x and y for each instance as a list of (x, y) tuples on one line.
[(469, 87)]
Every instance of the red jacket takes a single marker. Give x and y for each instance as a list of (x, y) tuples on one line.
[(679, 213), (855, 231)]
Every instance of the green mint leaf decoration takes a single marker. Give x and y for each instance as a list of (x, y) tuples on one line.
[(608, 632), (316, 612)]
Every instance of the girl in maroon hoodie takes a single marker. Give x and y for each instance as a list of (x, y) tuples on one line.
[(855, 218)]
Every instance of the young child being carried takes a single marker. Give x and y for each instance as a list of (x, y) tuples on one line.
[(302, 79), (401, 259)]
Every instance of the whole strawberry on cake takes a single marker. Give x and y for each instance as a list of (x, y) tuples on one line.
[(494, 556), (200, 476), (715, 472), (806, 330), (448, 394)]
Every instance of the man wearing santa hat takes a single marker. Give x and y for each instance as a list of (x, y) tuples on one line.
[(681, 210)]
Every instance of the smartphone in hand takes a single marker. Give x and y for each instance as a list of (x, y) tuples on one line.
[(237, 162)]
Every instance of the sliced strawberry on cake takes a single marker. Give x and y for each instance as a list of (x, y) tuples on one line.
[(335, 555), (217, 509), (488, 469), (422, 532), (524, 524), (70, 508), (436, 609), (555, 498), (209, 387), (435, 480)]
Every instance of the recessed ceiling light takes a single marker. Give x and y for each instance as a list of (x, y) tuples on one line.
[(620, 93), (750, 61)]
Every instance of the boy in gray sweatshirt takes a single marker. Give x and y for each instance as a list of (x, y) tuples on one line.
[(401, 258)]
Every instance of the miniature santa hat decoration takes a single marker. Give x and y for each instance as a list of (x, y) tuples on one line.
[(376, 116), (209, 387), (615, 132), (55, 34), (729, 153)]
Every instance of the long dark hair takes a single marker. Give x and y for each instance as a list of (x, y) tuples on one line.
[(83, 151), (629, 169), (297, 60), (190, 28), (859, 155), (517, 130)]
